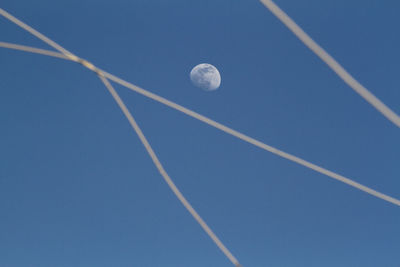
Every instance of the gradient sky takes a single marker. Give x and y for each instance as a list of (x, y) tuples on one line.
[(78, 189)]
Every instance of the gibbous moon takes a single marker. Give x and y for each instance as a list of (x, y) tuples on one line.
[(206, 77)]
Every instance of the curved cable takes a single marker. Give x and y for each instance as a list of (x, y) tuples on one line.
[(164, 174), (35, 33), (240, 135), (33, 50), (332, 63), (380, 106), (252, 141), (90, 66)]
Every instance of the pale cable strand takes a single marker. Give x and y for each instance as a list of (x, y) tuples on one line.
[(164, 174), (251, 140), (35, 33), (241, 136), (33, 50), (332, 63), (130, 118), (142, 138)]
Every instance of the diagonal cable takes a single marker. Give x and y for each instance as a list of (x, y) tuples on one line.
[(285, 19), (332, 63), (34, 32), (226, 129), (128, 115), (33, 50), (251, 140), (142, 138), (164, 174), (240, 135), (309, 42)]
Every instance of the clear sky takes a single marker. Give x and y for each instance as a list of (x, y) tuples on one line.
[(78, 189)]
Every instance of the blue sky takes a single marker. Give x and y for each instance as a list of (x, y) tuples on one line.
[(78, 189)]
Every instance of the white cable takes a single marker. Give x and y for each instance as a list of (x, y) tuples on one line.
[(34, 32), (164, 174), (33, 50), (252, 140), (240, 135), (130, 118), (332, 63)]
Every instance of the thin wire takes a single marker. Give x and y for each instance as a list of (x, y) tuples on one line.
[(301, 34), (285, 19), (240, 135), (164, 174), (251, 140), (33, 50), (130, 118), (35, 33), (332, 63)]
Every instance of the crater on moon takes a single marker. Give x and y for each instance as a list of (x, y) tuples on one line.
[(206, 77)]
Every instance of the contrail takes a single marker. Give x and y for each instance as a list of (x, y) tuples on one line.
[(332, 63)]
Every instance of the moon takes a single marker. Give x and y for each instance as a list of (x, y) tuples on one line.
[(206, 77)]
